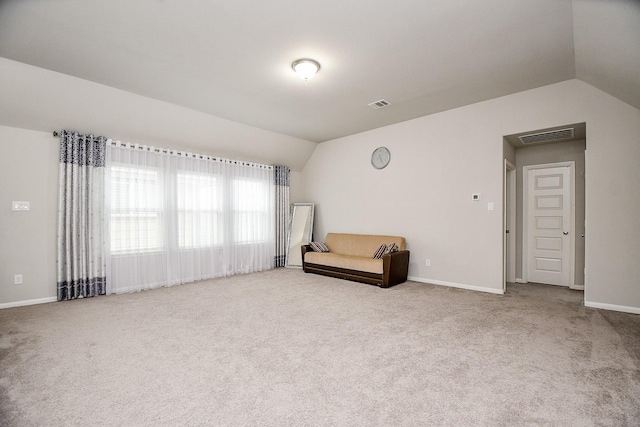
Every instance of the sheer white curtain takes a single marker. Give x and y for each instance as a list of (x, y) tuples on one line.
[(176, 217)]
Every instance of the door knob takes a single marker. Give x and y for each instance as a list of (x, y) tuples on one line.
[(565, 233)]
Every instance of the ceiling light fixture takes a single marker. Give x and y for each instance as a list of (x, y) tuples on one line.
[(305, 68)]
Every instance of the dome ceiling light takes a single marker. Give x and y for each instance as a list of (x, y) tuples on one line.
[(305, 68)]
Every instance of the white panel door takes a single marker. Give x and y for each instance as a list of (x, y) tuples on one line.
[(549, 221)]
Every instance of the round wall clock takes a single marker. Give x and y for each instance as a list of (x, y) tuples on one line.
[(380, 157)]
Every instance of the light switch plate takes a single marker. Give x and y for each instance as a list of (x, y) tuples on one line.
[(20, 206), (475, 197)]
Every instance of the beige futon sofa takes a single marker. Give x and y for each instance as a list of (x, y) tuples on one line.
[(351, 257)]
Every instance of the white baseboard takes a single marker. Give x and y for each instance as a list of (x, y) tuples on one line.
[(614, 307), (577, 288), (519, 280), (27, 302), (456, 285)]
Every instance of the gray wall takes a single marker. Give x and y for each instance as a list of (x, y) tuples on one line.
[(36, 101), (509, 151), (28, 172), (438, 161), (553, 153)]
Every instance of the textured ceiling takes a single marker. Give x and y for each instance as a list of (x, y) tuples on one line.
[(232, 59)]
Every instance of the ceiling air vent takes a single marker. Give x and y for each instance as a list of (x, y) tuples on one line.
[(379, 104), (554, 135)]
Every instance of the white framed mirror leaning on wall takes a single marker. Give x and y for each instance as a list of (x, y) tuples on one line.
[(300, 233)]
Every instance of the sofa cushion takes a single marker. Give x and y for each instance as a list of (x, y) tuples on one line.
[(331, 259), (363, 245)]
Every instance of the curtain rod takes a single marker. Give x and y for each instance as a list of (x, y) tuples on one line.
[(56, 134)]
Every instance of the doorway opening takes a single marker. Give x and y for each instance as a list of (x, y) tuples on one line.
[(566, 145)]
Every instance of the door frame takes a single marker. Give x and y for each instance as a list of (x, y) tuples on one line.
[(509, 223), (525, 218)]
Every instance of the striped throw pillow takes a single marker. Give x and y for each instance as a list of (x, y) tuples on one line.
[(319, 247), (391, 248), (380, 251)]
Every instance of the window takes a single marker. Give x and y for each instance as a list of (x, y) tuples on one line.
[(250, 203), (177, 217), (138, 222), (199, 211), (135, 219)]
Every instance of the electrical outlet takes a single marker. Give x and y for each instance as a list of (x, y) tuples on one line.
[(17, 279), (427, 262)]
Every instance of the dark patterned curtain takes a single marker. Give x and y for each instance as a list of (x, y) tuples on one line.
[(282, 213), (81, 241)]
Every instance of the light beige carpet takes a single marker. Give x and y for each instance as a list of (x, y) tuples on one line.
[(284, 348)]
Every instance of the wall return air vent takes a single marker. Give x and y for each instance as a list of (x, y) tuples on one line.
[(379, 104), (554, 135)]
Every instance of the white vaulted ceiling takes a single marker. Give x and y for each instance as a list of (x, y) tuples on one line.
[(232, 59)]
